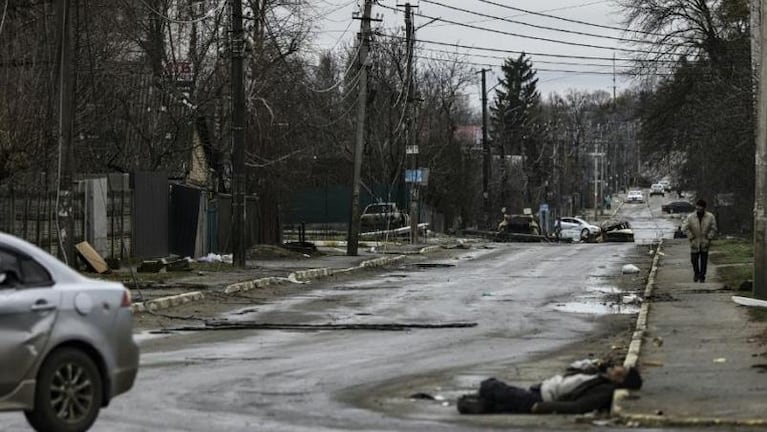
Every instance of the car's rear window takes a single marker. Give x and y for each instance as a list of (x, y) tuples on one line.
[(379, 209)]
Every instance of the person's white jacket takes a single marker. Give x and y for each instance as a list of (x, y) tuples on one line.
[(700, 231)]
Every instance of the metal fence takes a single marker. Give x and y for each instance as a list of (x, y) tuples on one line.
[(31, 214)]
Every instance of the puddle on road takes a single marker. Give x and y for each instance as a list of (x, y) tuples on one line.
[(601, 300), (594, 308)]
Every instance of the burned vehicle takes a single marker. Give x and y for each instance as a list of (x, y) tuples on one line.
[(617, 230), (382, 217), (519, 227)]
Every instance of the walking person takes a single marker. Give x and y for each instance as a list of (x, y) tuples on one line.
[(700, 228)]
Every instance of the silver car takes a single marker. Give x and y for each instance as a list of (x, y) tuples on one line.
[(66, 341)]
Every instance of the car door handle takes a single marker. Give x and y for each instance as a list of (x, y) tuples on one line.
[(42, 306)]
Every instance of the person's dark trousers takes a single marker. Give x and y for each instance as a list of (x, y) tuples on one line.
[(699, 265), (509, 399)]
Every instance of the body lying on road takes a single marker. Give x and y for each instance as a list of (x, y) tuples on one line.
[(586, 385)]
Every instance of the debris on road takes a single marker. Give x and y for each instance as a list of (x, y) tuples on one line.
[(240, 325), (630, 269)]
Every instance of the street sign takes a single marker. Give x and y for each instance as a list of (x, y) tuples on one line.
[(411, 149), (543, 208), (419, 176)]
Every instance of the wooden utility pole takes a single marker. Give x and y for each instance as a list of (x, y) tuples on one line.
[(485, 154), (412, 146), (352, 243), (64, 217), (760, 188), (238, 139)]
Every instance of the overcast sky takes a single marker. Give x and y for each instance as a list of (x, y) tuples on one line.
[(500, 25)]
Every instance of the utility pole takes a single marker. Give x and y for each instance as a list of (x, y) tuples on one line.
[(411, 135), (596, 155), (352, 243), (760, 188), (64, 216), (485, 153), (614, 101), (238, 139)]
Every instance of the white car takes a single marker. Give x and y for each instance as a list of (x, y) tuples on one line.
[(575, 228), (635, 196), (657, 189)]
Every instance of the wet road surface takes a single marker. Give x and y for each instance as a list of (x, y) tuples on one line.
[(521, 297)]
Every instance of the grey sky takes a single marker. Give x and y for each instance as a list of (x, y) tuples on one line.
[(337, 29)]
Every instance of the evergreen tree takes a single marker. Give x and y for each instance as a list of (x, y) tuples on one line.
[(515, 128)]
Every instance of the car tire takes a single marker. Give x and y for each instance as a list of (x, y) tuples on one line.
[(584, 234), (68, 393)]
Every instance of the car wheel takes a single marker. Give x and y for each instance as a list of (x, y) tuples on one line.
[(585, 234), (68, 393)]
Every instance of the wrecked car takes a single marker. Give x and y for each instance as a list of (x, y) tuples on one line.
[(68, 343), (576, 229), (519, 227), (383, 216), (615, 230)]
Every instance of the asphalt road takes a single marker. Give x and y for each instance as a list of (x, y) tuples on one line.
[(525, 299)]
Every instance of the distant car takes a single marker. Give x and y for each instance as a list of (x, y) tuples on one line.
[(67, 340), (575, 228), (383, 216), (635, 196), (678, 207), (657, 189), (666, 185)]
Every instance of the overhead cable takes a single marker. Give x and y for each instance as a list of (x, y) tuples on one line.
[(541, 27), (501, 50), (528, 36), (570, 20), (536, 61)]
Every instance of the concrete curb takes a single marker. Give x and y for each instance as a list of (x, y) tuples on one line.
[(641, 326), (429, 249), (302, 276), (167, 302)]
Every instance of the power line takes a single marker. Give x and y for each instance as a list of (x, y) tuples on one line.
[(536, 61), (501, 50), (570, 20), (527, 36), (607, 72), (542, 27), (532, 53)]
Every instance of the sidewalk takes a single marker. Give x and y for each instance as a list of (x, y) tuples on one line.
[(702, 356)]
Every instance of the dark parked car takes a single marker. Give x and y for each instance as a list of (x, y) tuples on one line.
[(678, 207)]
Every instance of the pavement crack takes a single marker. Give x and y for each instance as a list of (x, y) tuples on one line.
[(213, 325)]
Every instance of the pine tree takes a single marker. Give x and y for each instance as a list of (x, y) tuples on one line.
[(515, 119)]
